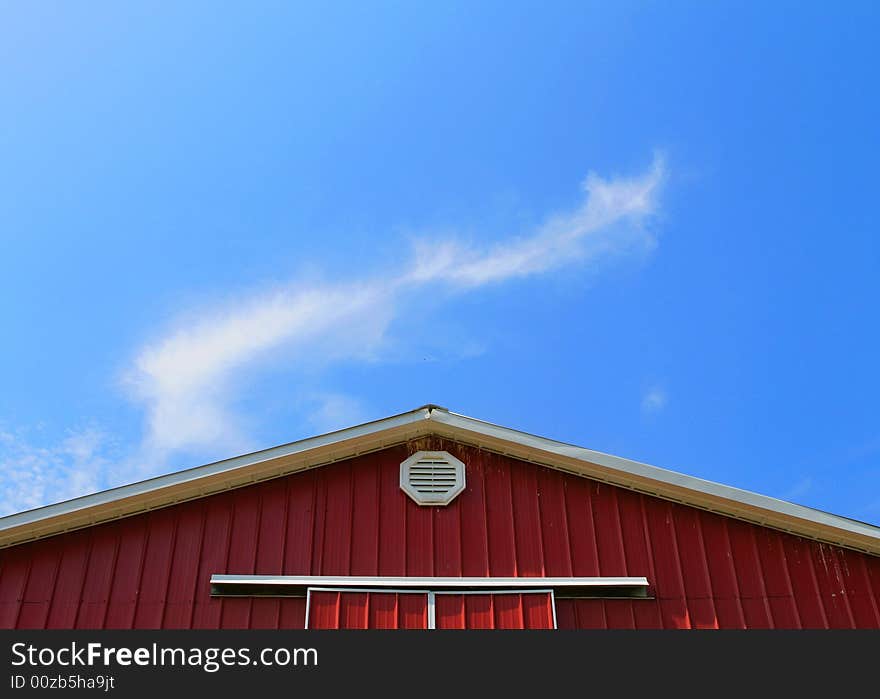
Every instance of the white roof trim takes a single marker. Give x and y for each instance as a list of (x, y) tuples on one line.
[(656, 474), (430, 419), (222, 471), (280, 585)]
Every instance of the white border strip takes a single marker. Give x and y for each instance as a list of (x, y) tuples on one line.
[(437, 584)]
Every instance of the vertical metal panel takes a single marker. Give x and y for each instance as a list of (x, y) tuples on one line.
[(447, 538), (669, 584), (474, 540), (863, 602), (553, 523), (270, 549), (749, 575), (412, 611), (803, 583), (324, 610), (354, 614), (299, 530), (581, 533), (391, 534), (320, 523), (695, 572), (499, 518), (831, 587), (73, 550), (590, 614), (129, 561), (508, 612), (99, 578), (449, 611), (527, 521), (873, 563), (619, 614), (537, 612), (336, 558), (721, 573), (383, 613), (292, 613), (638, 555), (242, 545), (612, 560), (179, 601), (514, 518), (478, 612), (419, 538), (365, 518), (38, 591), (214, 555), (154, 578), (780, 594), (14, 573)]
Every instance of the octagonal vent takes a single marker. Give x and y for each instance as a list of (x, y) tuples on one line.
[(432, 477)]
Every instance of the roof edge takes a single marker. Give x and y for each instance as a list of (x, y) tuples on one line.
[(328, 448), (210, 478), (670, 485)]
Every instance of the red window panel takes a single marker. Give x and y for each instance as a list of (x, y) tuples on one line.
[(333, 609), (533, 610)]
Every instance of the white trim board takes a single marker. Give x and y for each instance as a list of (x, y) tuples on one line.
[(298, 585)]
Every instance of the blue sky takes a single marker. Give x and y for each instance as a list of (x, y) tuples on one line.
[(649, 229)]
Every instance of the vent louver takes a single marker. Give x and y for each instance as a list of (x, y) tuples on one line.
[(432, 477)]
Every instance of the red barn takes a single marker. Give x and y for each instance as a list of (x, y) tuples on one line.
[(434, 520)]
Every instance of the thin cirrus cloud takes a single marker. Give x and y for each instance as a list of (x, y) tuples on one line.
[(609, 221), (654, 400), (185, 380), (32, 475)]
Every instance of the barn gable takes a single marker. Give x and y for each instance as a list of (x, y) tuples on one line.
[(431, 420), (148, 561)]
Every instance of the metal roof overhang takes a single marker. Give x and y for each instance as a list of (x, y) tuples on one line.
[(297, 585), (344, 444)]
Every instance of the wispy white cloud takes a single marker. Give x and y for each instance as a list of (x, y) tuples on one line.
[(32, 475), (799, 489), (333, 411), (188, 378), (609, 221), (184, 379), (654, 400)]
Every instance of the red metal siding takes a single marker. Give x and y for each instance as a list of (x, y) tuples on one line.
[(351, 518)]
